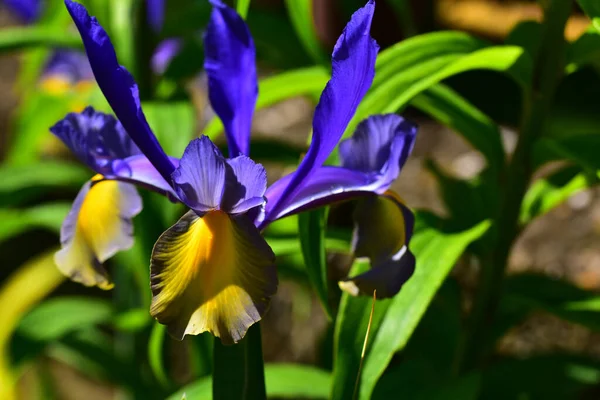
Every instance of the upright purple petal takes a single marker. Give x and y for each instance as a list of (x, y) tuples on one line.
[(230, 65), (27, 10), (156, 14), (380, 144), (118, 87), (246, 182), (200, 178), (353, 69)]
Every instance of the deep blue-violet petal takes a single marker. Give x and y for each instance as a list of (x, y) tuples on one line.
[(230, 65), (380, 144), (246, 182), (27, 10), (118, 86), (97, 139), (353, 69), (386, 278), (156, 14), (139, 171), (200, 178), (329, 184)]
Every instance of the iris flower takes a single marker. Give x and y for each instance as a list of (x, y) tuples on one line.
[(212, 270)]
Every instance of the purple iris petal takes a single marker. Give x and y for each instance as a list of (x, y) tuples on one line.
[(200, 178), (118, 87), (139, 171), (27, 10), (353, 69), (72, 66), (156, 14), (381, 143), (327, 185), (205, 181), (246, 185), (164, 53), (230, 65), (97, 139)]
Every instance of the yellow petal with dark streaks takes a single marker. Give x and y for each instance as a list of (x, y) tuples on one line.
[(213, 273)]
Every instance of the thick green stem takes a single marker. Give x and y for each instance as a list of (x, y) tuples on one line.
[(537, 101), (238, 370)]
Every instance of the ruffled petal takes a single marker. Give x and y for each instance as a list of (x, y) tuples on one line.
[(98, 226), (246, 183), (97, 139), (200, 178), (213, 273), (353, 69), (383, 227), (231, 68), (118, 86), (381, 144)]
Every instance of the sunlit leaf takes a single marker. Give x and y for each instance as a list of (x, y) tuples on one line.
[(454, 111), (592, 9), (301, 15), (19, 38), (436, 249), (284, 381), (312, 227), (552, 190)]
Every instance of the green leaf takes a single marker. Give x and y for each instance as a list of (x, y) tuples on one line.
[(19, 38), (580, 149), (57, 317), (454, 111), (592, 9), (42, 174), (173, 124), (534, 292), (155, 354), (300, 13), (286, 85), (552, 190), (242, 6), (284, 381), (311, 227), (49, 216), (395, 93), (436, 250), (238, 369), (528, 35)]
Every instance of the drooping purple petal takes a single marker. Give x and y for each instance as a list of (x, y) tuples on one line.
[(230, 65), (353, 69), (139, 171), (246, 182), (381, 144), (164, 53), (97, 139), (383, 227), (200, 178), (156, 14), (118, 87), (27, 10)]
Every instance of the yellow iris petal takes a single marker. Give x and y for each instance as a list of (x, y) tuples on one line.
[(214, 273), (101, 228)]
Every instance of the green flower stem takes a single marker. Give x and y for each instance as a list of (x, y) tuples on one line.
[(537, 100), (239, 369)]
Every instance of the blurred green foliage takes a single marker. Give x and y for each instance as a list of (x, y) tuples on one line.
[(424, 343)]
